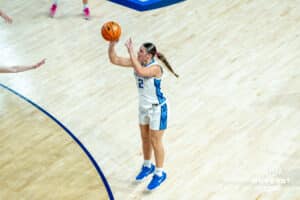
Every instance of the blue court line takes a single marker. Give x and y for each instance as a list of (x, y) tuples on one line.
[(111, 197)]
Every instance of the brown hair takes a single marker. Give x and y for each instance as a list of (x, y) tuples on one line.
[(151, 49)]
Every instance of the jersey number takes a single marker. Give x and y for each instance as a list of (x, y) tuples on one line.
[(141, 83)]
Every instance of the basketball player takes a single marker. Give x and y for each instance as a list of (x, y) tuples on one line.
[(153, 109), (15, 69), (5, 17), (86, 10)]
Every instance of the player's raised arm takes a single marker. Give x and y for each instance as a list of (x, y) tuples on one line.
[(115, 59)]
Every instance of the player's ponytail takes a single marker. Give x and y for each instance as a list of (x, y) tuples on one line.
[(163, 59), (150, 48)]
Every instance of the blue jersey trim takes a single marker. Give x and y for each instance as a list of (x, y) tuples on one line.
[(152, 61), (159, 94), (163, 117)]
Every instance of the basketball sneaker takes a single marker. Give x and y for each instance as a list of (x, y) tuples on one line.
[(86, 13), (145, 171), (53, 10), (156, 181)]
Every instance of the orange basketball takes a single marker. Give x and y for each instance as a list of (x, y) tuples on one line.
[(111, 31)]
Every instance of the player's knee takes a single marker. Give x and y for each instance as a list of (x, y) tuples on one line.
[(155, 141)]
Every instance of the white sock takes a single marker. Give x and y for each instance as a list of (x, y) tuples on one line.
[(147, 163), (85, 6), (158, 171), (54, 1)]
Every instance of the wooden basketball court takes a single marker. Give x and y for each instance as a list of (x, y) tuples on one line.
[(234, 130)]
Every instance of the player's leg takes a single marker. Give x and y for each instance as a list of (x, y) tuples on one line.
[(158, 124), (147, 167), (159, 154), (86, 9), (53, 8)]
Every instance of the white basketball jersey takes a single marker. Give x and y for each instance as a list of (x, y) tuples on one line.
[(149, 89)]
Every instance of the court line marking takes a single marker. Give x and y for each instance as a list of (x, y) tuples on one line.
[(108, 189)]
